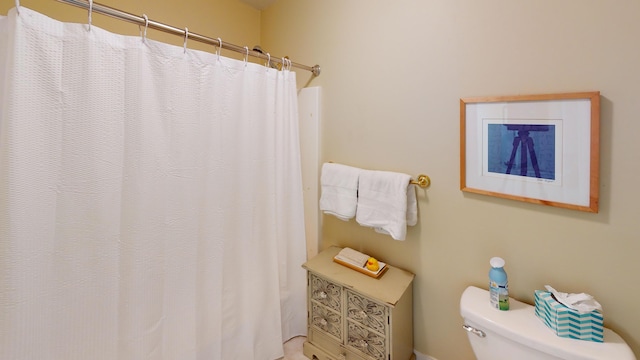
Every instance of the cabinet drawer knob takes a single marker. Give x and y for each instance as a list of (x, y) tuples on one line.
[(321, 295), (323, 322)]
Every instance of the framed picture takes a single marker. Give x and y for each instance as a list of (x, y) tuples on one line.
[(541, 149)]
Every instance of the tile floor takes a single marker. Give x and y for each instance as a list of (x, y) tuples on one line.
[(293, 349)]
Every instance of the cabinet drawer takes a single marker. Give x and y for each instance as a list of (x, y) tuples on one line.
[(367, 312), (366, 341), (326, 293), (326, 320)]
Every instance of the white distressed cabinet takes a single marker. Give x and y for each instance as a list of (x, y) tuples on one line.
[(352, 316)]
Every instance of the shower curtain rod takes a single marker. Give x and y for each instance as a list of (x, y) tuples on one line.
[(139, 20)]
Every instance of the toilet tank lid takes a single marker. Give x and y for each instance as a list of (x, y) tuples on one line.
[(520, 324)]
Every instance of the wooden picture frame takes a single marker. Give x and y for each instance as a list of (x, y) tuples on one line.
[(560, 136)]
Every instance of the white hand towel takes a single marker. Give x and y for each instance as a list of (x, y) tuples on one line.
[(386, 202), (339, 186)]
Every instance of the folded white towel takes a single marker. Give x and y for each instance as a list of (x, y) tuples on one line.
[(386, 202), (339, 187)]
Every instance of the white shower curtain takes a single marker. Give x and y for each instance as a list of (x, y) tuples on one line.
[(150, 199)]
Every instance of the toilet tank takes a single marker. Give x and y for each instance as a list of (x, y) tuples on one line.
[(519, 334)]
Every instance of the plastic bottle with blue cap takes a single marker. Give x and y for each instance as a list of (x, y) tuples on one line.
[(498, 284)]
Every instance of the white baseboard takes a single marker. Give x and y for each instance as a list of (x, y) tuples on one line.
[(423, 356)]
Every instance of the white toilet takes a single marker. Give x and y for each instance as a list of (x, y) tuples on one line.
[(518, 334)]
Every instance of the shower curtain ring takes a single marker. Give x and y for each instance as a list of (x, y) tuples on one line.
[(146, 26), (90, 11), (268, 64), (18, 7), (186, 37), (246, 55), (219, 47)]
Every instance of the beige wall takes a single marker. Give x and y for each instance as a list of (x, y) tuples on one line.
[(231, 20), (392, 76)]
